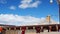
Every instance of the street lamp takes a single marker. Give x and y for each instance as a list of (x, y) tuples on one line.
[(51, 1), (58, 1)]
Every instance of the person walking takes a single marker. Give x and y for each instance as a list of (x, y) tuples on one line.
[(1, 30)]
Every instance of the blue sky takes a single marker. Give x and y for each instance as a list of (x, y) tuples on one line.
[(35, 8)]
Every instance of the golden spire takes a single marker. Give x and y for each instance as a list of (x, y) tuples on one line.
[(48, 18)]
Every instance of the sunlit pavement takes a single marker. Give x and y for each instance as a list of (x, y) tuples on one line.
[(45, 33), (50, 33)]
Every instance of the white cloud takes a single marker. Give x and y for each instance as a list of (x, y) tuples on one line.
[(3, 1), (12, 7), (17, 20), (27, 4), (26, 1), (35, 4)]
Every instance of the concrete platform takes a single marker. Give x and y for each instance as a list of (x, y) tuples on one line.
[(43, 33), (50, 33)]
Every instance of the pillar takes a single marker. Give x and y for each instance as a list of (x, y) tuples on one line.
[(20, 28), (6, 29), (15, 31), (50, 28), (14, 28), (9, 30), (41, 28), (56, 27), (19, 32), (26, 28), (33, 27)]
